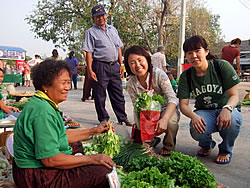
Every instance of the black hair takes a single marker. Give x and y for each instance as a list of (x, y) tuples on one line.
[(44, 73), (139, 51), (38, 56), (71, 54), (55, 53), (196, 42)]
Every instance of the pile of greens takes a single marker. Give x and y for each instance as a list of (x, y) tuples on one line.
[(181, 170), (21, 104), (128, 152), (148, 178)]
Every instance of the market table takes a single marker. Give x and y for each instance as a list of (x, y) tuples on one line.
[(7, 124)]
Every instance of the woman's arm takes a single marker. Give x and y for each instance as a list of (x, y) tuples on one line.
[(224, 118), (63, 161), (75, 135), (5, 108), (198, 122), (162, 124)]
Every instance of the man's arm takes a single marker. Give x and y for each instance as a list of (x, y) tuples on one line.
[(89, 60), (121, 62)]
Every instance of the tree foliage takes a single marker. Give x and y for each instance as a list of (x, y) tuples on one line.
[(148, 23)]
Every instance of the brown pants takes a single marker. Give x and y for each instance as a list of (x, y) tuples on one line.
[(88, 176), (169, 140)]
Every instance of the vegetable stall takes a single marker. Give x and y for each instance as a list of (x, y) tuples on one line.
[(139, 166)]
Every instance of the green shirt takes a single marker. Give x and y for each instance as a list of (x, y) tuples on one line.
[(174, 85), (39, 133), (208, 90), (1, 112)]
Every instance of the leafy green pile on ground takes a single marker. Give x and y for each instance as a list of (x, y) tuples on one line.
[(183, 170)]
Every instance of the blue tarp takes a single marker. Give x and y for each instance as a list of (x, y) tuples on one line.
[(10, 52)]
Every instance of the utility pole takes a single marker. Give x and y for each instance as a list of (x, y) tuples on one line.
[(181, 38)]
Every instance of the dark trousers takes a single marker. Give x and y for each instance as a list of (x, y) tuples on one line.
[(74, 80), (108, 77), (86, 86)]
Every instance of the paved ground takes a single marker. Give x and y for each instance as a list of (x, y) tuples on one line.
[(235, 175)]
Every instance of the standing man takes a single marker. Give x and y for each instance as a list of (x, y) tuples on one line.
[(104, 61), (158, 59), (231, 52)]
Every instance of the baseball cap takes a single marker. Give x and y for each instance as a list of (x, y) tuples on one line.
[(98, 10)]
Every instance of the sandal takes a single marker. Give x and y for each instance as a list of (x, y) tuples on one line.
[(204, 153), (228, 157), (155, 141), (127, 123), (165, 152)]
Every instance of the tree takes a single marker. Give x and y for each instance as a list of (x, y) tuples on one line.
[(147, 23), (64, 22)]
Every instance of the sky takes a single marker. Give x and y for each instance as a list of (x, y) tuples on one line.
[(234, 21)]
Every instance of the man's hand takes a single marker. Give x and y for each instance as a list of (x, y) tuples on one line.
[(122, 70), (92, 75), (224, 119)]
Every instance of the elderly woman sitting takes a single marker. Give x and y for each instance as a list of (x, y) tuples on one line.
[(43, 156)]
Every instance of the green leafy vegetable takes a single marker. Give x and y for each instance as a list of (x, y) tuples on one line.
[(186, 170), (145, 102), (107, 143)]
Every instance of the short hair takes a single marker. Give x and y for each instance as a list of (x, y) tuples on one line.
[(236, 41), (160, 48), (139, 51), (44, 73)]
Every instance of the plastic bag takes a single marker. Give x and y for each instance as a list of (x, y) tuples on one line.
[(123, 131), (147, 121)]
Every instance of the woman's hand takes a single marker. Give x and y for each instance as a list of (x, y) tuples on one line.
[(198, 123), (161, 126), (224, 119), (14, 109), (102, 159), (100, 129)]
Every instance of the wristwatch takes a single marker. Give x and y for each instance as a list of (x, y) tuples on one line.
[(229, 107)]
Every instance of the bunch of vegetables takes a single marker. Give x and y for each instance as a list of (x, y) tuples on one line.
[(186, 171), (128, 152), (145, 102), (107, 143), (245, 101), (148, 178), (21, 104)]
